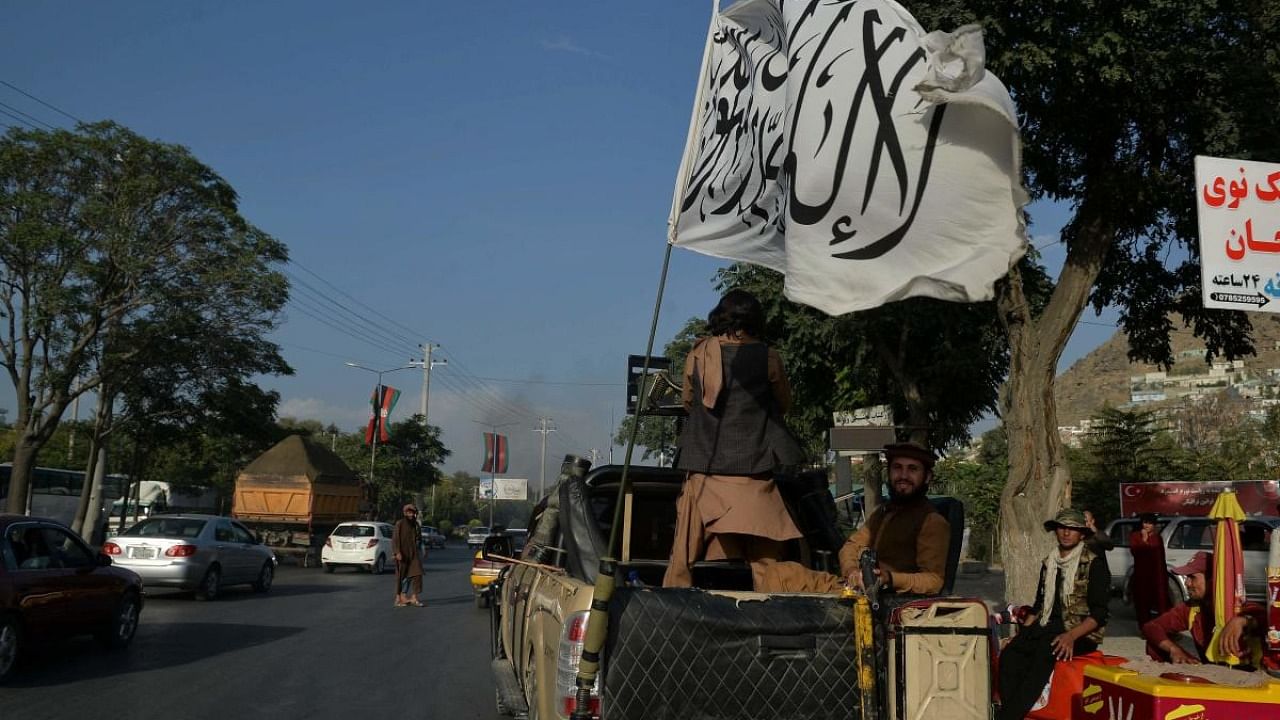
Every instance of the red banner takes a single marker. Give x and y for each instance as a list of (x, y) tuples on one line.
[(381, 403), (1257, 497), (495, 453)]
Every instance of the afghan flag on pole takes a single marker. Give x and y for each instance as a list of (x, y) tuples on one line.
[(382, 402), (495, 453)]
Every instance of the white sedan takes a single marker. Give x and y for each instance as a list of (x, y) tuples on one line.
[(359, 544)]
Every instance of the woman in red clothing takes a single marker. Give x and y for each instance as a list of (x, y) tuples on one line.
[(1149, 585)]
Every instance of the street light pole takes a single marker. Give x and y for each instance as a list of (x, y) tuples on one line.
[(377, 411)]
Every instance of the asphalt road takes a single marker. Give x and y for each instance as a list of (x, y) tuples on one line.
[(316, 646)]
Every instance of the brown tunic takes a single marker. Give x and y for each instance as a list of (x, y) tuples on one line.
[(404, 542), (910, 540)]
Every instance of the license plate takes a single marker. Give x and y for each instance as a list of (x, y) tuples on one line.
[(142, 553), (348, 546)]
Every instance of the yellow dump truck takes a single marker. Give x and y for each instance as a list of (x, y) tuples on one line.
[(294, 494)]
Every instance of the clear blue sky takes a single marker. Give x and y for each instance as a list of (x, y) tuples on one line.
[(495, 177)]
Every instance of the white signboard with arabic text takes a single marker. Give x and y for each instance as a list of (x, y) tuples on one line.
[(1238, 206)]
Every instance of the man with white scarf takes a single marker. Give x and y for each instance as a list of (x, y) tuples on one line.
[(1066, 620)]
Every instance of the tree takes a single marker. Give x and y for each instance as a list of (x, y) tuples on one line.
[(103, 233), (1115, 99), (406, 464), (978, 483), (938, 364)]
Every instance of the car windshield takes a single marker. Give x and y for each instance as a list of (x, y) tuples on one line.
[(353, 531), (480, 531), (167, 528)]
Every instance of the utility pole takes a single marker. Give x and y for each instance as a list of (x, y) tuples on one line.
[(543, 429), (426, 363)]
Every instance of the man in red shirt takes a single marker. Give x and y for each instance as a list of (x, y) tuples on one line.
[(1196, 616)]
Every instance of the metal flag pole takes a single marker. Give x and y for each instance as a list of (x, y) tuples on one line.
[(606, 581)]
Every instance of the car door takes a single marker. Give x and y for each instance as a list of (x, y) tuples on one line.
[(1255, 542), (42, 590), (1187, 537), (230, 554), (385, 534), (93, 592), (253, 553)]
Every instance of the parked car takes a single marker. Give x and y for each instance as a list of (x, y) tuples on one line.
[(53, 585), (1183, 537), (476, 536), (432, 537), (359, 544), (189, 551)]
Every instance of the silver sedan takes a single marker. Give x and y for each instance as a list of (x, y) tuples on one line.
[(203, 553)]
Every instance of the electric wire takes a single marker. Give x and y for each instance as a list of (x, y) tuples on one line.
[(15, 117), (29, 117), (42, 102), (360, 319), (416, 335)]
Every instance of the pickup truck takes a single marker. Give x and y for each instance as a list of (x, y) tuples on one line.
[(720, 651)]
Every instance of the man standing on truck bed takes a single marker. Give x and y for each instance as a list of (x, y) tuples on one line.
[(736, 392), (909, 536)]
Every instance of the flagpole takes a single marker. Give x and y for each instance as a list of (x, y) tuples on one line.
[(598, 622)]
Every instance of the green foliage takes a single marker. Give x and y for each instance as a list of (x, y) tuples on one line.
[(406, 464), (978, 484), (1115, 99), (125, 263), (938, 364)]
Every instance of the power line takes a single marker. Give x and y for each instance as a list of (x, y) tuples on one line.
[(15, 117), (363, 320), (362, 337), (418, 336), (42, 102), (29, 117), (550, 382)]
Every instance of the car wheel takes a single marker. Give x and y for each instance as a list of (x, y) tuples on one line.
[(124, 625), (379, 565), (210, 585), (266, 576), (10, 645), (328, 567)]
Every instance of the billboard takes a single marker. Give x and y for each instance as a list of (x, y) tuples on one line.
[(1239, 216), (510, 489), (1257, 497)]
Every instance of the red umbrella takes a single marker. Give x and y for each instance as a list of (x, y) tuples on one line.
[(1228, 571)]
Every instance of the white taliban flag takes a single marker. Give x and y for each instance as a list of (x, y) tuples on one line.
[(838, 143)]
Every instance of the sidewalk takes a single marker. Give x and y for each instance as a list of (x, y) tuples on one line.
[(1122, 637)]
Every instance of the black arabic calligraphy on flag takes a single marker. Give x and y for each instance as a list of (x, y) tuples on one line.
[(839, 144)]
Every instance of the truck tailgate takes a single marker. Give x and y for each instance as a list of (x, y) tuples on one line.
[(690, 654)]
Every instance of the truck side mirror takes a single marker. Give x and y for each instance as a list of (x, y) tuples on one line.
[(497, 548)]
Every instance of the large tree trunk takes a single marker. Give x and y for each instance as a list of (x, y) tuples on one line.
[(93, 514), (1039, 481), (87, 488), (24, 463), (95, 474)]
